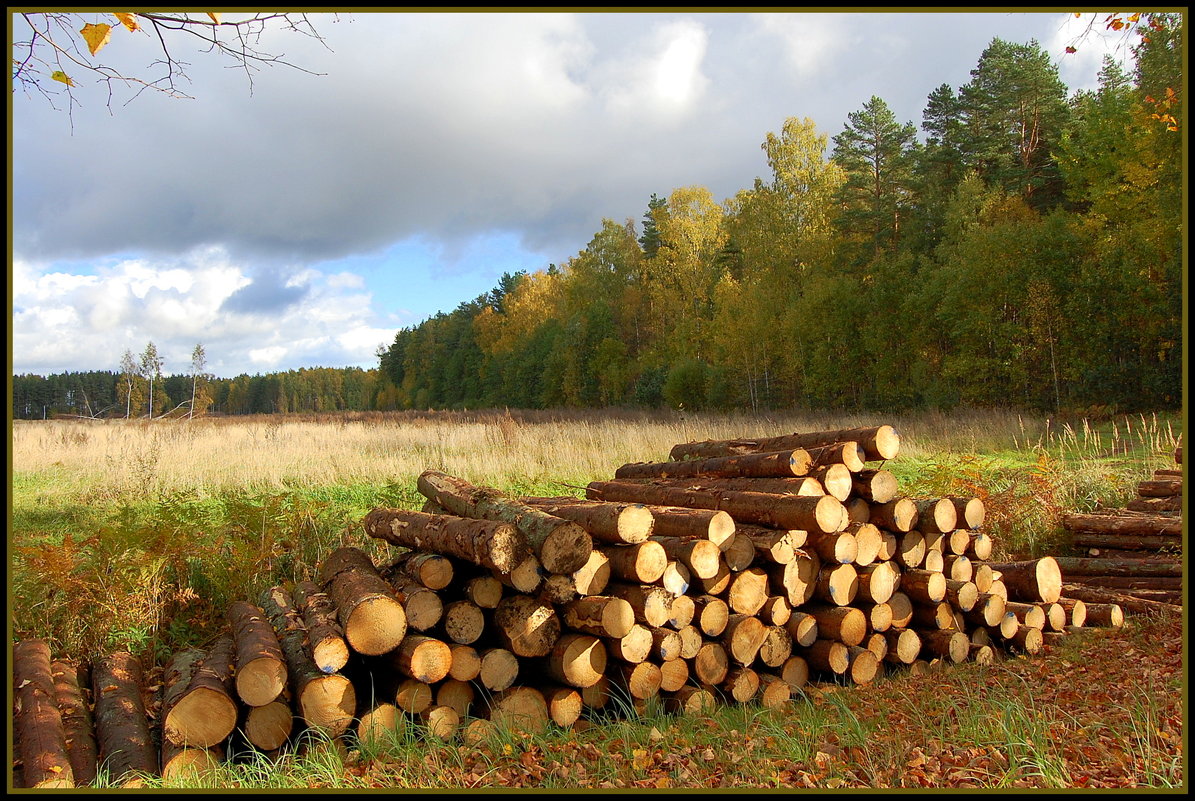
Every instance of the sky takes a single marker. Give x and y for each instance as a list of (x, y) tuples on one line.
[(299, 217)]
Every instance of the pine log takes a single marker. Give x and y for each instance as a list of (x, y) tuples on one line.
[(1076, 611), (840, 547), (576, 660), (875, 486), (858, 510), (497, 545), (846, 624), (777, 647), (863, 667), (827, 656), (325, 636), (979, 546), (837, 584), (37, 721), (519, 709), (718, 584), (611, 523), (373, 620), (1143, 525), (775, 611), (971, 512), (557, 589), (738, 554), (743, 637), (665, 645), (711, 615), (526, 626), (675, 521), (593, 576), (911, 549), (957, 567), (795, 672), (949, 644), (902, 609), (877, 581), (898, 515), (637, 682), (528, 574), (682, 612), (423, 607), (414, 696), (876, 643), (599, 615), (633, 647), (925, 586), (456, 694), (835, 480), (561, 546), (904, 645), (796, 580), (690, 700), (1173, 503), (781, 463), (741, 684), (642, 563), (260, 664), (485, 591), (773, 545), (1028, 639), (1105, 615), (748, 591), (776, 511), (981, 654), (931, 617), (441, 722), (425, 659), (77, 723), (701, 557), (198, 706), (774, 692), (962, 594), (802, 627), (564, 704), (1131, 582), (691, 641), (499, 668), (268, 726), (1031, 581), (1056, 617), (1165, 487), (888, 546), (1128, 542), (958, 542), (429, 569), (868, 541), (879, 616), (180, 763), (935, 515), (879, 443), (121, 721)]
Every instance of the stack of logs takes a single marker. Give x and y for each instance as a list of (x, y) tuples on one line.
[(736, 571), (1134, 554)]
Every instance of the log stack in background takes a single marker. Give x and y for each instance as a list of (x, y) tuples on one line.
[(737, 571), (1134, 554)]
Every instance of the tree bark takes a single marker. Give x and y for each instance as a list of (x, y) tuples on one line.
[(373, 619), (1127, 542), (198, 706), (121, 721), (1160, 487), (494, 544), (782, 463), (77, 723), (1141, 525), (325, 636), (879, 442), (613, 523), (261, 673)]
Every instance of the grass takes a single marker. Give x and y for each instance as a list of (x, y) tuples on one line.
[(137, 536)]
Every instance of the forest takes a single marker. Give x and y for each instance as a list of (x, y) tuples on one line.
[(1022, 249)]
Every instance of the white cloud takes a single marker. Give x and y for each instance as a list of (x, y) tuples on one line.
[(811, 41), (666, 82)]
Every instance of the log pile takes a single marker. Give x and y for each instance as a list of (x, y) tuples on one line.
[(735, 572), (1134, 554)]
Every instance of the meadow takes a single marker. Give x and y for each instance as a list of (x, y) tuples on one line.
[(137, 535)]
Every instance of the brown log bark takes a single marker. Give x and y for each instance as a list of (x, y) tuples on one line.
[(783, 463), (1076, 611), (879, 443), (494, 544), (1173, 503), (827, 656), (78, 726), (1031, 581), (1131, 582), (949, 644), (675, 521), (37, 720), (373, 620), (260, 664), (1165, 487), (926, 586), (611, 523), (1128, 542), (1141, 525), (776, 511), (121, 721), (325, 636), (561, 545), (198, 706), (526, 626), (1103, 615)]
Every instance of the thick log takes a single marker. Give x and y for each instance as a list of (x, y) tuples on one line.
[(198, 706), (838, 548), (971, 512), (268, 726), (773, 545), (711, 615), (633, 647), (776, 511), (519, 709), (963, 594), (775, 611), (260, 664), (748, 591), (738, 554), (441, 722), (691, 641), (868, 542), (1131, 582), (879, 616), (485, 591), (828, 656), (577, 660), (936, 515), (858, 510), (1031, 581), (1173, 503), (593, 577), (528, 574), (651, 604), (701, 557), (837, 584), (423, 607), (797, 580), (564, 704), (925, 586), (526, 626), (1104, 615), (904, 645), (949, 644), (414, 696), (682, 613), (777, 647), (774, 692), (910, 552), (611, 523), (898, 515), (781, 463), (1056, 616), (325, 636), (979, 546), (690, 700), (846, 624), (179, 762), (958, 542), (862, 665), (1141, 525), (37, 720), (878, 581), (743, 637), (599, 615), (879, 443), (642, 563), (835, 480), (957, 567), (902, 609), (464, 622), (457, 694), (373, 620), (497, 545), (425, 659), (121, 721), (77, 723), (466, 662), (875, 486), (1076, 611), (665, 645), (710, 524), (741, 684), (638, 682), (561, 546), (795, 672)]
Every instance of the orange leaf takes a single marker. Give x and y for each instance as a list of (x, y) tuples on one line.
[(128, 19), (96, 36)]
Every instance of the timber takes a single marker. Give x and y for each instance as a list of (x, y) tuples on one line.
[(260, 665), (126, 747), (497, 545), (198, 706), (77, 723), (38, 721), (325, 636), (783, 463), (611, 523), (372, 618), (1141, 525)]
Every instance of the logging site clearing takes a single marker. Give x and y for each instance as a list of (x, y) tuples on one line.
[(580, 600)]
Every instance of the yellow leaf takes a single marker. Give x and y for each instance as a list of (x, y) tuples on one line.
[(61, 77), (128, 19), (96, 36), (215, 15)]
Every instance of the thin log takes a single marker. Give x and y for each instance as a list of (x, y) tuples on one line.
[(1128, 542), (325, 636), (898, 514), (633, 647), (904, 645), (711, 664), (1164, 487), (77, 723), (495, 544), (121, 721), (577, 660), (561, 545), (429, 569), (1131, 582), (611, 523), (1104, 615), (260, 664), (268, 726), (642, 563), (879, 443), (1173, 503), (1144, 525), (783, 463)]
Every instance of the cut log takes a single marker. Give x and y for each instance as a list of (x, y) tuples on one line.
[(519, 709), (561, 546), (773, 545), (651, 604), (126, 749), (526, 626), (1073, 566), (979, 546), (634, 647), (576, 660), (1173, 503), (701, 557), (876, 643), (422, 658), (904, 645), (690, 700), (837, 584), (875, 486), (1160, 487), (741, 684), (325, 636), (1056, 617), (957, 567), (564, 704), (1076, 611), (899, 515), (198, 706), (611, 523), (457, 694), (710, 524), (774, 692), (738, 554), (599, 615), (593, 576), (268, 726), (949, 644), (802, 627), (1174, 583), (879, 443), (775, 611), (718, 584), (936, 515), (372, 618), (499, 669), (690, 641), (878, 581), (846, 624), (528, 574), (1031, 581), (180, 763), (423, 607), (1103, 615), (835, 480), (911, 549), (428, 569), (1028, 639), (642, 563), (441, 722), (796, 580), (743, 637), (637, 682), (925, 586), (558, 590), (775, 511), (795, 672), (963, 594), (840, 547), (711, 614), (981, 654), (777, 647), (378, 725), (414, 696), (862, 665), (879, 616), (781, 463), (41, 737), (682, 612), (902, 609), (970, 512), (1128, 542), (858, 510), (958, 542), (485, 591), (1100, 595), (497, 545), (77, 723), (665, 645), (464, 622), (260, 665), (828, 656), (748, 591), (931, 617), (868, 541), (1142, 525)]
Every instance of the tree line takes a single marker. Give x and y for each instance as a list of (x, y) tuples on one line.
[(1024, 251)]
